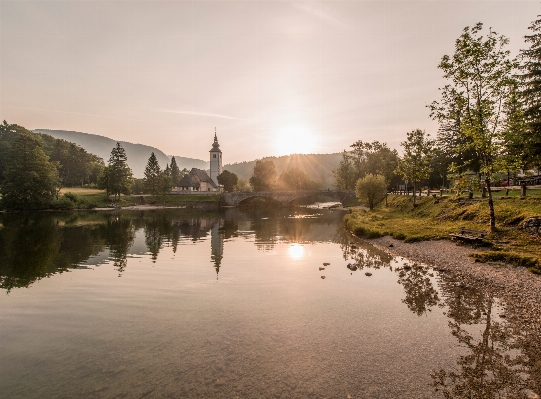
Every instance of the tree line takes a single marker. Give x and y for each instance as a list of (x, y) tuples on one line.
[(34, 167), (489, 116)]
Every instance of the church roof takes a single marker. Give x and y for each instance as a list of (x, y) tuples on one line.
[(194, 179)]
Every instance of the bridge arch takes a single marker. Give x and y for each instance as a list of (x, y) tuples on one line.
[(285, 197)]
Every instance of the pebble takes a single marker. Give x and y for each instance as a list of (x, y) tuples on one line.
[(368, 274), (321, 268), (326, 264), (322, 276)]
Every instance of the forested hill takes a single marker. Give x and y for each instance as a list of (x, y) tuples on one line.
[(138, 154), (317, 166)]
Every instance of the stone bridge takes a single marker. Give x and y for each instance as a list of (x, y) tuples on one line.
[(285, 197)]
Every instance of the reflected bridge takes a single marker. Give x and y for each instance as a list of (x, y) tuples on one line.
[(285, 197)]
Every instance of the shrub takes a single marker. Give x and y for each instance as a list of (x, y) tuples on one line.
[(371, 189), (62, 203), (71, 196)]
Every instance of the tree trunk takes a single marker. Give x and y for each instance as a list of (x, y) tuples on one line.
[(491, 206), (414, 203)]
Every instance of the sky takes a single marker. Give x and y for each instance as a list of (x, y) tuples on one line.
[(272, 77)]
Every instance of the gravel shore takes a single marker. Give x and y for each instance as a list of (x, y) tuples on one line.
[(519, 288), (516, 287)]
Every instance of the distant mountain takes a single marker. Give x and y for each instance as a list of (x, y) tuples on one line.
[(317, 166), (137, 154)]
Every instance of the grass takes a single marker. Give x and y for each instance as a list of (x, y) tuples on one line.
[(436, 218), (93, 198)]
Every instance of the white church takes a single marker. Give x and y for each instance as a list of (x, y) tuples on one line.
[(198, 180)]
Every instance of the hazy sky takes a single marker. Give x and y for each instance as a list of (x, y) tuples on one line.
[(273, 77)]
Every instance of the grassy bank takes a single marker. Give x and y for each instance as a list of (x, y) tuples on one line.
[(436, 218), (86, 198)]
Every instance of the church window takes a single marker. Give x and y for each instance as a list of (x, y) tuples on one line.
[(213, 155)]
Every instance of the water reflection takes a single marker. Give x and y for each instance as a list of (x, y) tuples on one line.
[(492, 359), (496, 362)]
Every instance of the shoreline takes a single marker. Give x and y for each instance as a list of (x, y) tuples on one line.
[(520, 289), (516, 287)]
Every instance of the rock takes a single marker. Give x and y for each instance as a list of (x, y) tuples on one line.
[(532, 225), (321, 268), (391, 245), (407, 267), (322, 276), (368, 274), (353, 246), (326, 264), (502, 315)]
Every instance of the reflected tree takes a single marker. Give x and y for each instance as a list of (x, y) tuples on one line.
[(420, 292), (493, 365), (39, 245), (119, 234)]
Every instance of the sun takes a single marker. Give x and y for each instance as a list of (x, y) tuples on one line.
[(295, 139)]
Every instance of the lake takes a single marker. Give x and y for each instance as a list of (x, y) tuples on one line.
[(174, 304)]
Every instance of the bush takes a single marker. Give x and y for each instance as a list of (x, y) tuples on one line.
[(371, 189), (63, 203), (71, 196)]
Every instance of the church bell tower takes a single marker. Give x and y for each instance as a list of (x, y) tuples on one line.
[(215, 160)]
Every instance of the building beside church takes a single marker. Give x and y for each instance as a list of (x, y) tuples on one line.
[(198, 179)]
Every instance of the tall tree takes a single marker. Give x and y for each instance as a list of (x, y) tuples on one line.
[(119, 174), (228, 180), (166, 182), (30, 179), (531, 92), (480, 81), (296, 179), (264, 176), (374, 158), (152, 176), (345, 175), (175, 172), (415, 162)]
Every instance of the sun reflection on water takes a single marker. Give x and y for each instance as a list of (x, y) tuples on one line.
[(295, 251)]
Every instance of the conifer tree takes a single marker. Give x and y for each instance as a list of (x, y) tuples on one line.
[(531, 92), (119, 174), (152, 176), (175, 172)]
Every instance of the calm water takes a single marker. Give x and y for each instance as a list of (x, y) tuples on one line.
[(175, 304)]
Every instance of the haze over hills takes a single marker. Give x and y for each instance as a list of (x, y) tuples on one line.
[(317, 166), (137, 154)]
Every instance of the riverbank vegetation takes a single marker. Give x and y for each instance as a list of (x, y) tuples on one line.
[(489, 115), (89, 198), (436, 218)]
